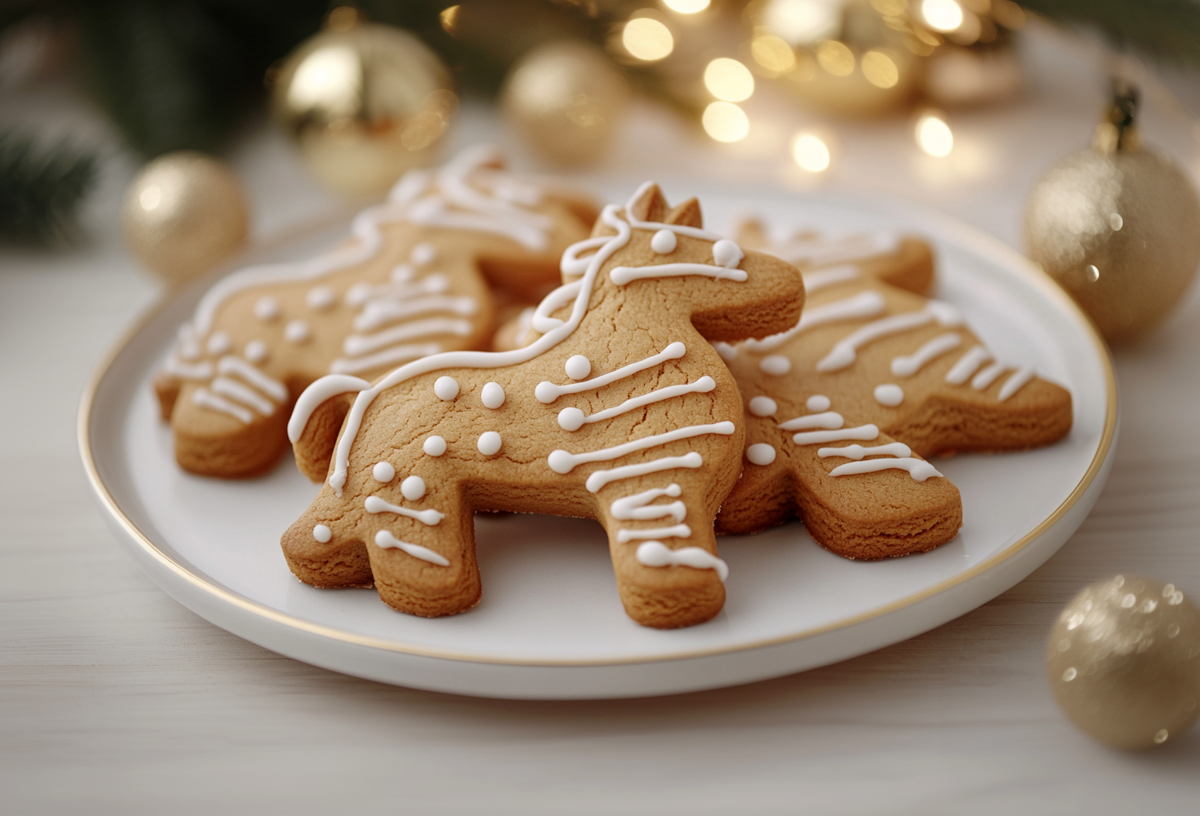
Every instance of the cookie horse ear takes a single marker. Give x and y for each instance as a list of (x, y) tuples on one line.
[(686, 214), (649, 205)]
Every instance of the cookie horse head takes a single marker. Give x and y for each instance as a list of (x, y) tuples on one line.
[(412, 281), (621, 411)]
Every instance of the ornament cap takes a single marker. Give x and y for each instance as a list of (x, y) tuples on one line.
[(1119, 133)]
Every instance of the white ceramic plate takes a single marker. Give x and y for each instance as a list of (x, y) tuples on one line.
[(550, 624)]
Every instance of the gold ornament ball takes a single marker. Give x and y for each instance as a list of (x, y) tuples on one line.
[(1119, 228), (364, 103), (566, 99), (183, 213), (1123, 661)]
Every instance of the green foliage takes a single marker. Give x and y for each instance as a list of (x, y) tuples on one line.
[(40, 190), (1167, 30)]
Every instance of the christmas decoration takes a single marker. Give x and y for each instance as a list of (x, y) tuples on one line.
[(41, 189), (363, 102), (566, 99), (1116, 227), (183, 213), (1123, 661)]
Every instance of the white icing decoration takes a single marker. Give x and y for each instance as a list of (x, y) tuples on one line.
[(775, 364), (188, 371), (1015, 383), (664, 242), (829, 420), (845, 351), (386, 357), (561, 461), (572, 419), (446, 388), (492, 395), (817, 279), (219, 343), (760, 453), (863, 432), (230, 365), (596, 482), (829, 251), (763, 406), (967, 365), (423, 254), (622, 275), (678, 531), (359, 344), (413, 488), (317, 393), (889, 394), (322, 533), (638, 508), (988, 376), (657, 554), (489, 443), (266, 308), (320, 298), (255, 351), (387, 541), (818, 402), (237, 392), (380, 312), (919, 469), (430, 518), (727, 352), (858, 307), (727, 254), (434, 446), (383, 472), (906, 366), (207, 399), (189, 350), (860, 451), (579, 367), (402, 273), (548, 392), (362, 294), (297, 331)]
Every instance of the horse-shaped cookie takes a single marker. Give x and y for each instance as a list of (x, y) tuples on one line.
[(411, 282), (621, 410), (842, 407)]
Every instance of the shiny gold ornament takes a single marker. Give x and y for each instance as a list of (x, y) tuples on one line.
[(566, 99), (1118, 227), (183, 213), (847, 57), (363, 102), (1123, 661)]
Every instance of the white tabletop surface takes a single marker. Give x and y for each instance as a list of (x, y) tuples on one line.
[(115, 699)]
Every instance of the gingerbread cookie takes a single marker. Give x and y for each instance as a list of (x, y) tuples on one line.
[(621, 411), (410, 282), (842, 407)]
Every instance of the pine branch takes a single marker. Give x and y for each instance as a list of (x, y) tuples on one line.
[(1167, 30), (40, 191)]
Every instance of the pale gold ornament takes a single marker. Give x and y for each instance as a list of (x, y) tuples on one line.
[(364, 103), (1123, 661), (847, 57), (183, 213), (566, 99), (1118, 227)]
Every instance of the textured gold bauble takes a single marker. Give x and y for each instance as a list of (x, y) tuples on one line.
[(1123, 661), (183, 213), (1118, 227), (364, 105), (566, 99), (846, 57)]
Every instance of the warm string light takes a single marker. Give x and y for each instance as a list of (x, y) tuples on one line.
[(725, 122), (647, 39), (934, 135), (810, 152), (686, 6), (728, 80)]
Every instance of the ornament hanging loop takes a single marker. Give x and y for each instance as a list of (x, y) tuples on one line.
[(1119, 133)]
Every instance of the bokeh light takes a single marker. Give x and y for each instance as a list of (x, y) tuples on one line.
[(647, 39), (775, 56), (880, 69), (836, 58), (942, 15), (729, 80), (726, 122), (934, 135), (686, 6), (810, 152)]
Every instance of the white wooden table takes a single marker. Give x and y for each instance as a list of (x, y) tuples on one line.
[(113, 698)]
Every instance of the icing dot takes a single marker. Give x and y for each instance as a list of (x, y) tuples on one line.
[(889, 394), (189, 351), (297, 331), (570, 419), (403, 272), (218, 344), (727, 254), (413, 488), (493, 395), (256, 351), (763, 406), (560, 461), (322, 533), (760, 454), (434, 446), (383, 472), (446, 388), (578, 367), (818, 402), (664, 242), (775, 364), (726, 351), (266, 308), (358, 294), (320, 298), (423, 254), (489, 443)]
